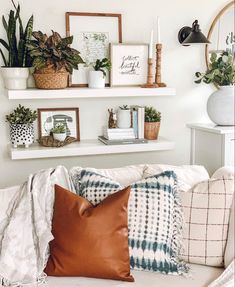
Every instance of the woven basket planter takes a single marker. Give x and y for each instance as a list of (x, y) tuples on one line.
[(151, 130), (48, 79)]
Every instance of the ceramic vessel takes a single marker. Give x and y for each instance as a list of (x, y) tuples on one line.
[(220, 106), (124, 119), (151, 130), (21, 134), (96, 80), (15, 78), (59, 137)]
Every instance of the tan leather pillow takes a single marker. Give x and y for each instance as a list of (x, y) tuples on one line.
[(90, 241)]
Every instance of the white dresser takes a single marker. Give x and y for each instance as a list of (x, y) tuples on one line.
[(212, 146)]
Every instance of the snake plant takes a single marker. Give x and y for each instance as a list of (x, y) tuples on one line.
[(15, 46)]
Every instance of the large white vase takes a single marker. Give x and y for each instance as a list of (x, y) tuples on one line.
[(124, 119), (15, 78), (220, 106)]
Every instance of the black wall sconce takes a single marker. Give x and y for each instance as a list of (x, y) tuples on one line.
[(188, 35)]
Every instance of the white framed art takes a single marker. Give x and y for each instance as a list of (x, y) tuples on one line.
[(129, 64)]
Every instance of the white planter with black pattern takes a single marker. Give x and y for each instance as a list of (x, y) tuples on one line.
[(21, 134)]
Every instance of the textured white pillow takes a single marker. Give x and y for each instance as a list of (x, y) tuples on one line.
[(188, 175), (225, 172)]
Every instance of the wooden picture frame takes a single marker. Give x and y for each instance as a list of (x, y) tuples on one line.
[(49, 117), (92, 32)]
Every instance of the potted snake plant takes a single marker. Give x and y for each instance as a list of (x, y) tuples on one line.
[(53, 60), (97, 76), (14, 51), (152, 123)]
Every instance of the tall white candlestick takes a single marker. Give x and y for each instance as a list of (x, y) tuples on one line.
[(158, 31), (151, 45)]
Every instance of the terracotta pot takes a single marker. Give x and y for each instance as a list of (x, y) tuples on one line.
[(151, 130)]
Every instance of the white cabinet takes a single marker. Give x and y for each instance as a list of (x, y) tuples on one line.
[(212, 146)]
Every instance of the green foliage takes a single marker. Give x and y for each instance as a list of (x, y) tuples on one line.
[(22, 115), (58, 129), (53, 52), (124, 107), (102, 65), (152, 115), (16, 44), (221, 70)]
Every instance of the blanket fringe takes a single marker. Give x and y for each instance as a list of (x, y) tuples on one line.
[(6, 283)]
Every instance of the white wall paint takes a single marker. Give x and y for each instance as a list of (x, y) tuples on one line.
[(179, 66)]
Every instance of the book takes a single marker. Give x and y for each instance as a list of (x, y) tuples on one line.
[(121, 142), (118, 134), (134, 121), (140, 120)]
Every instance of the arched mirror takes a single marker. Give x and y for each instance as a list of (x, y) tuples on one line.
[(221, 33)]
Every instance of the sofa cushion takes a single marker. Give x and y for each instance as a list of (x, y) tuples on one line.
[(90, 241)]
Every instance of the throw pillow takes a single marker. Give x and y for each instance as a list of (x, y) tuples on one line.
[(207, 210), (154, 220), (90, 241)]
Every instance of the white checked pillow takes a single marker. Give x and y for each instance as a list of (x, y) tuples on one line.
[(207, 209)]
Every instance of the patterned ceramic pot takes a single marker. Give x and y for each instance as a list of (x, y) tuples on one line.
[(21, 134)]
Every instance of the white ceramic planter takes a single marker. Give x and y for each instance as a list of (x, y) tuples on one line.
[(124, 119), (96, 80), (59, 137), (220, 106), (30, 80), (15, 78), (21, 134)]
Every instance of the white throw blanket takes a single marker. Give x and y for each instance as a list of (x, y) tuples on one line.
[(227, 277), (26, 230)]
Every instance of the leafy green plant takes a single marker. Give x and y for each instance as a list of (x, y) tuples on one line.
[(102, 65), (53, 52), (221, 70), (16, 44), (152, 115), (22, 115), (124, 107), (59, 129)]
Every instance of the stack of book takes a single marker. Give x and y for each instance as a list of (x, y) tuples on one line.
[(118, 134), (137, 113)]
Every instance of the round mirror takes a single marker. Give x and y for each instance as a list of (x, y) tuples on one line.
[(221, 33)]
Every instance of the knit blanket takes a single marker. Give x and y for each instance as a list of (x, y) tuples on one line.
[(226, 279)]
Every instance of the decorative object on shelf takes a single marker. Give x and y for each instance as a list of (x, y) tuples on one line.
[(138, 115), (21, 126), (158, 76), (49, 119), (50, 141), (150, 78), (129, 64), (98, 76), (112, 124), (15, 71), (152, 123), (53, 60), (124, 117), (59, 132), (92, 34), (221, 72), (118, 134), (188, 35)]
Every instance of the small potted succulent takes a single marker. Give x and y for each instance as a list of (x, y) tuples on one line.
[(21, 126), (152, 123), (53, 60), (59, 132), (14, 51), (124, 117), (97, 77)]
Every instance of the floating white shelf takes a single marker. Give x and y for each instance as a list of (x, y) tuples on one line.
[(88, 147), (74, 93)]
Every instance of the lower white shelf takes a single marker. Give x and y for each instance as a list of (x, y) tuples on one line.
[(87, 147)]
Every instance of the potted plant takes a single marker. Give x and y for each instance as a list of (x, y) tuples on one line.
[(221, 72), (14, 50), (124, 117), (53, 60), (97, 77), (21, 126), (59, 132), (152, 123)]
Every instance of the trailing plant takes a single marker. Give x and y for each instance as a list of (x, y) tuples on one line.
[(53, 52), (59, 129), (221, 70), (22, 115), (152, 115), (102, 65), (124, 107), (16, 44)]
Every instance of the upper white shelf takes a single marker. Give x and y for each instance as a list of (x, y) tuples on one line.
[(75, 93)]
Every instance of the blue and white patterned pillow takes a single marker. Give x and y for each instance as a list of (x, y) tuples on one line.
[(155, 219)]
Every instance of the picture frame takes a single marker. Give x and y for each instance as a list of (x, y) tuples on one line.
[(92, 32), (129, 64), (49, 117)]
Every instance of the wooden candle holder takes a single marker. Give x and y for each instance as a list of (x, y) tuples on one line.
[(150, 79), (158, 79)]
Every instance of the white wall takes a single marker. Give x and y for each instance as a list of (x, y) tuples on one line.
[(179, 66)]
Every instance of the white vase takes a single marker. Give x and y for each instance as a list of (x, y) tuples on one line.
[(21, 134), (15, 78), (59, 137), (220, 106), (124, 119), (96, 80)]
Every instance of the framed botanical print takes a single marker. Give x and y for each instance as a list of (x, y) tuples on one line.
[(50, 118), (129, 64), (92, 32)]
